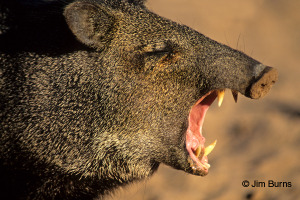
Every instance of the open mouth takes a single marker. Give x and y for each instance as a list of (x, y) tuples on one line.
[(194, 139)]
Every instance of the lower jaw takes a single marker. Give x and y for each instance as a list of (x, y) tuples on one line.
[(195, 170)]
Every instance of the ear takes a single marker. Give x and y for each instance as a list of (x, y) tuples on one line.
[(91, 23)]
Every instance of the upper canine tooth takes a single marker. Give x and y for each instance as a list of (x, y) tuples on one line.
[(221, 94), (209, 148), (235, 95)]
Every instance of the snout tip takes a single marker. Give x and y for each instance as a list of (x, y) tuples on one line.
[(263, 83)]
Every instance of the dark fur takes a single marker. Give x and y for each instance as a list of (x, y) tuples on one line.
[(96, 94)]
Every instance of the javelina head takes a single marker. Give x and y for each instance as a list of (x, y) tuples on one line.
[(161, 77)]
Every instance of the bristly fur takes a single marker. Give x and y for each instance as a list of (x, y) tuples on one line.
[(95, 94)]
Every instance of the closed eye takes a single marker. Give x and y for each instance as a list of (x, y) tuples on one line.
[(157, 49), (157, 53), (162, 54)]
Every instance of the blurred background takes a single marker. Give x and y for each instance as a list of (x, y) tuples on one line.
[(257, 139)]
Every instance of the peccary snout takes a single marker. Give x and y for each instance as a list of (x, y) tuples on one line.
[(225, 67)]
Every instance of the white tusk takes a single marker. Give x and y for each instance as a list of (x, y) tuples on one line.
[(209, 148)]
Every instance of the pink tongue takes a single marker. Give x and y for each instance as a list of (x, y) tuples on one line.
[(194, 136)]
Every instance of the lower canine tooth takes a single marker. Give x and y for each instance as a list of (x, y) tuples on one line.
[(197, 152), (209, 148), (220, 97)]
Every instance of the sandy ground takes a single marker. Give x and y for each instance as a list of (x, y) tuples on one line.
[(257, 139)]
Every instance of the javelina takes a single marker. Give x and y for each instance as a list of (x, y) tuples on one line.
[(97, 93)]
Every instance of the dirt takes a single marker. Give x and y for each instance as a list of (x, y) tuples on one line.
[(258, 140)]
